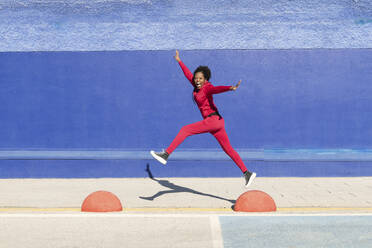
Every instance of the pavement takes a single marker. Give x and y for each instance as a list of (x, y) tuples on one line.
[(289, 194), (186, 212)]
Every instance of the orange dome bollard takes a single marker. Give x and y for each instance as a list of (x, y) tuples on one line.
[(101, 201), (255, 201)]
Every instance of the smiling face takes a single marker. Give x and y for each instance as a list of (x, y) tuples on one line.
[(199, 79)]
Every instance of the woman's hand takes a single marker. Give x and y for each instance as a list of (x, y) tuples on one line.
[(236, 86), (177, 57)]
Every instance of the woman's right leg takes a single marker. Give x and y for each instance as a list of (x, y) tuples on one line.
[(222, 138), (191, 129)]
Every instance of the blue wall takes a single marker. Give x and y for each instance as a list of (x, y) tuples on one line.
[(91, 25), (138, 100), (92, 83)]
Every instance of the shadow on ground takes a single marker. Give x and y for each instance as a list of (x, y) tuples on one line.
[(173, 188)]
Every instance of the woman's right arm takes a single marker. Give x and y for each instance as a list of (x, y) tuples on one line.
[(184, 68)]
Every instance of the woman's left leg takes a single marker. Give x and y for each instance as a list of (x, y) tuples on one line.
[(222, 138)]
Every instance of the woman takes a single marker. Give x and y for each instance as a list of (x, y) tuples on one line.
[(213, 121)]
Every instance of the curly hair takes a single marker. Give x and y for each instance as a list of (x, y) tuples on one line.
[(207, 75), (205, 70)]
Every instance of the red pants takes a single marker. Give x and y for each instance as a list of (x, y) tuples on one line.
[(214, 125)]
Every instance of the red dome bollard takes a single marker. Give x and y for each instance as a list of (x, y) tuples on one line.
[(255, 201), (101, 201)]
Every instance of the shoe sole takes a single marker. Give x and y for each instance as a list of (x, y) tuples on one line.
[(251, 179), (160, 159)]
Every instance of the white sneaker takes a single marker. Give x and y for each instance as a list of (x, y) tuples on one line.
[(249, 177), (162, 157)]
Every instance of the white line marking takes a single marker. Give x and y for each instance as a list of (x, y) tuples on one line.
[(216, 232), (100, 215), (181, 215)]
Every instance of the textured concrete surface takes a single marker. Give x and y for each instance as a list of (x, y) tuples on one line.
[(40, 25), (156, 224), (68, 231), (184, 230), (187, 192)]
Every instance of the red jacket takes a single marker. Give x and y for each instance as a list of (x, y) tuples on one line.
[(204, 96)]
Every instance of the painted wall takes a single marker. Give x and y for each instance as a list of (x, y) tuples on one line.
[(134, 101), (312, 99), (91, 25), (86, 84)]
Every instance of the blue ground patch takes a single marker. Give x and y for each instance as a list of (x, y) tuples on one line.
[(296, 231)]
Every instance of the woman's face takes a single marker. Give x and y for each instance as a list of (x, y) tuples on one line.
[(199, 79)]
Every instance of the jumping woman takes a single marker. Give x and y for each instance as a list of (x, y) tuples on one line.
[(213, 122)]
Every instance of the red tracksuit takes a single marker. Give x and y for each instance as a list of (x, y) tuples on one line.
[(213, 124)]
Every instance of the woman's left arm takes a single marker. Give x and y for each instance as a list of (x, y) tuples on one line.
[(219, 89)]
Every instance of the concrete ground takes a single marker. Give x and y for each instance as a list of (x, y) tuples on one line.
[(184, 230), (214, 193), (186, 212)]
